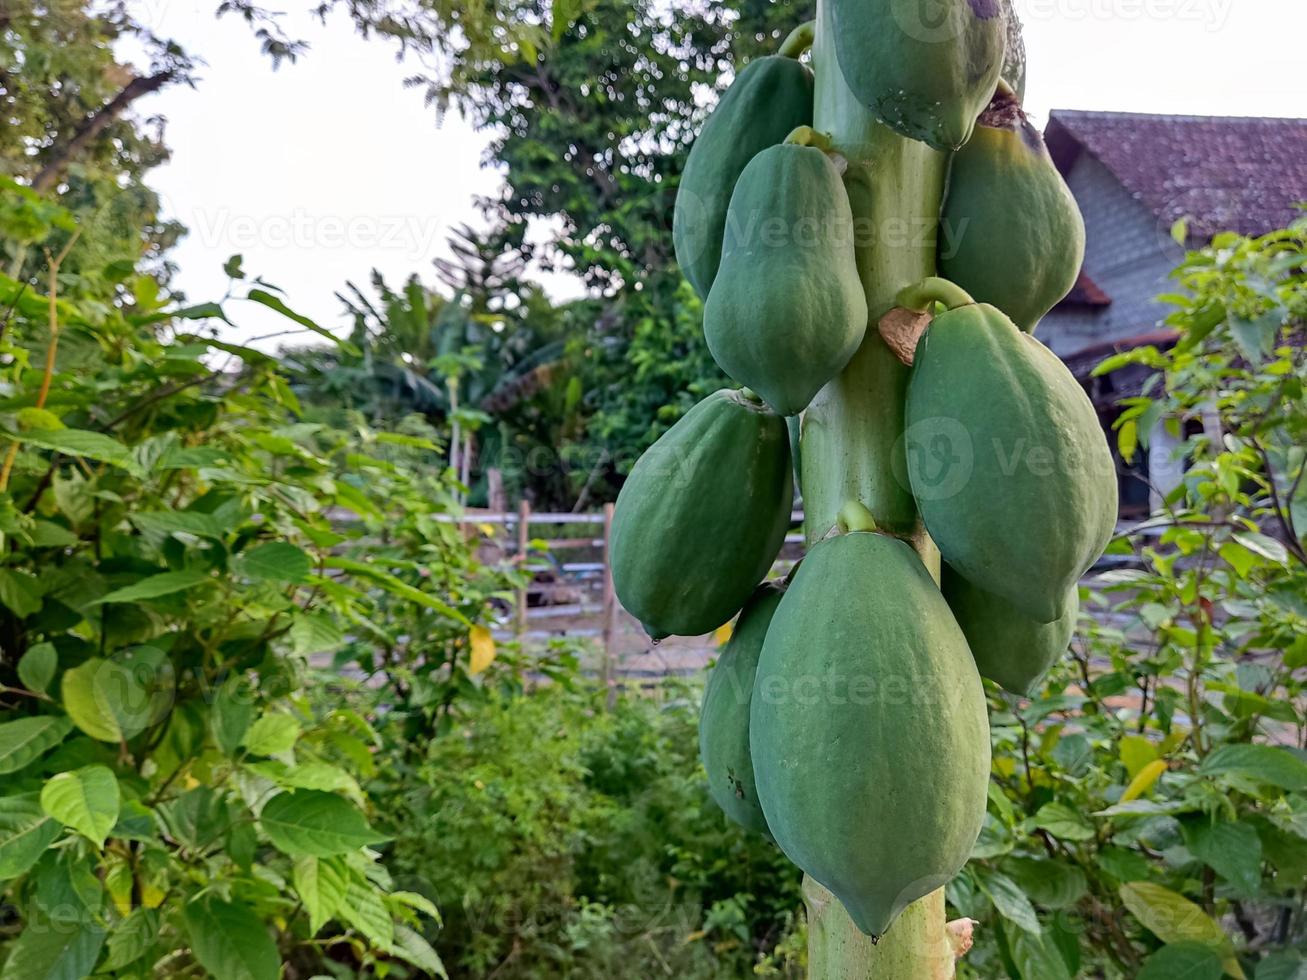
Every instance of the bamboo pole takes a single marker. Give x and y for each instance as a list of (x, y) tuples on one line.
[(523, 543)]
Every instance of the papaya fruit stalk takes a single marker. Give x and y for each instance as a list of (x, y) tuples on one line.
[(852, 449)]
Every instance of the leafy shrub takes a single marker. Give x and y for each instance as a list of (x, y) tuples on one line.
[(177, 546), (1148, 812), (563, 839)]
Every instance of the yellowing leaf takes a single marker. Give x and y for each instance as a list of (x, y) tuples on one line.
[(1143, 782), (1174, 919), (118, 879), (483, 649), (1136, 752), (722, 634), (1173, 741), (1127, 440), (151, 895)]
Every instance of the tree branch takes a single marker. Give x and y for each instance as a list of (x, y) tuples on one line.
[(94, 124)]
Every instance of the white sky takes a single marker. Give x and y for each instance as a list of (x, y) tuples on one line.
[(327, 168)]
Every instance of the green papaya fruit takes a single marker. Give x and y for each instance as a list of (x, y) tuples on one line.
[(1011, 649), (1006, 459), (702, 516), (926, 68), (868, 729), (787, 309), (1011, 233), (724, 719), (769, 98)]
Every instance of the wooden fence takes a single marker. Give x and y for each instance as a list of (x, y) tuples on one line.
[(570, 589)]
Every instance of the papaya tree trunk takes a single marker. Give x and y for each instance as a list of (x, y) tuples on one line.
[(851, 449)]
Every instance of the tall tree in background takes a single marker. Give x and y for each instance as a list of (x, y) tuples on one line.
[(66, 99), (591, 106)]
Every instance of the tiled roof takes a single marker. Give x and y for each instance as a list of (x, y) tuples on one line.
[(1224, 173), (1086, 292)]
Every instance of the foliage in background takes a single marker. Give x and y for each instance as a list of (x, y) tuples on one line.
[(65, 96), (560, 838), (1148, 814), (177, 545), (590, 107), (491, 361)]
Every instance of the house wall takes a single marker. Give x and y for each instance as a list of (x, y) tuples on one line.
[(1128, 253)]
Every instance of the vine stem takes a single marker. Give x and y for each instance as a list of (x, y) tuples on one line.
[(852, 450), (51, 351)]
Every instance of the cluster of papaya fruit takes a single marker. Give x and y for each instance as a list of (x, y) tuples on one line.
[(846, 717)]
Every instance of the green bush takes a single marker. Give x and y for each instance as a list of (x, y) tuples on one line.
[(177, 545), (560, 838), (1148, 810)]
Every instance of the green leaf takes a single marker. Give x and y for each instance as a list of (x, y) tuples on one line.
[(1063, 822), (1172, 918), (47, 534), (27, 739), (320, 885), (272, 734), (215, 525), (19, 592), (396, 587), (311, 822), (86, 799), (1260, 544), (154, 586), (1260, 763), (276, 561), (230, 941), (1124, 865), (1011, 902), (274, 303), (115, 700), (79, 442), (1288, 965), (1256, 338), (1037, 958), (234, 708), (132, 938), (364, 909), (1232, 850), (1183, 961), (1048, 883), (201, 311), (135, 822), (54, 950), (419, 903), (410, 946), (36, 668), (308, 775), (315, 633), (25, 833), (1239, 558)]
